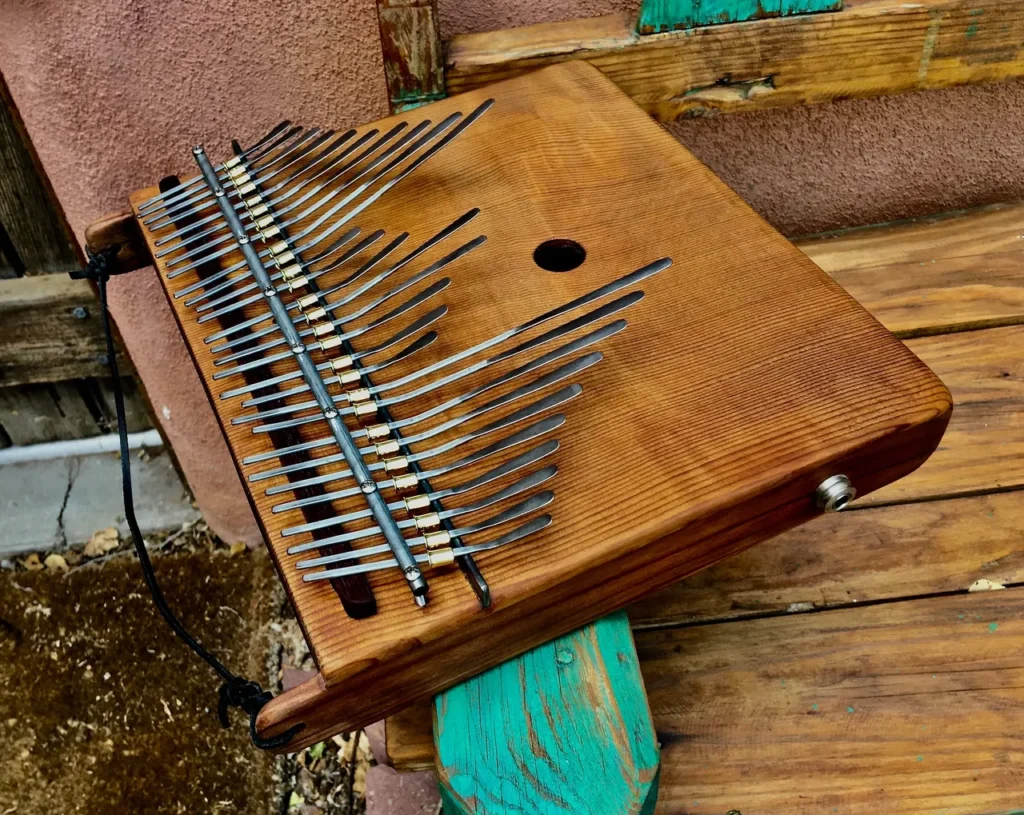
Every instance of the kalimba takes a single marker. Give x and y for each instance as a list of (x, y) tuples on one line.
[(498, 366)]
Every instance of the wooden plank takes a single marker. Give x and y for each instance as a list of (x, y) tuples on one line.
[(869, 48), (31, 218), (562, 729), (413, 54), (52, 331), (933, 275), (882, 553), (909, 707), (33, 414), (657, 16), (983, 448)]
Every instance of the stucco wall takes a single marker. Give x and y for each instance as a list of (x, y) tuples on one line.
[(114, 92)]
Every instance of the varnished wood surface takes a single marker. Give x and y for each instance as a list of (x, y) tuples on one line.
[(864, 564), (723, 396), (868, 48)]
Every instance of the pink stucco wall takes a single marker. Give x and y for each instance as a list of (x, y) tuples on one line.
[(113, 93)]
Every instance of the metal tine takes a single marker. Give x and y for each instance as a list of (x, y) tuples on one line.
[(527, 434), (592, 296), (367, 266), (524, 484), (202, 199), (339, 222), (525, 507), (352, 333), (401, 336), (505, 422), (557, 354), (556, 333), (550, 401), (310, 141), (250, 152), (243, 211), (332, 307), (206, 290), (520, 462), (233, 303), (422, 342), (303, 179), (246, 272), (416, 145), (428, 244), (381, 255), (527, 529)]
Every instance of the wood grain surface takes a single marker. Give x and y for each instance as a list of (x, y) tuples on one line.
[(860, 560), (724, 395), (910, 707), (868, 48)]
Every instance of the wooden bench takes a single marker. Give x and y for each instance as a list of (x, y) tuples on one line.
[(872, 661)]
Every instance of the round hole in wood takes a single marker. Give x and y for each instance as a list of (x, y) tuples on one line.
[(559, 255)]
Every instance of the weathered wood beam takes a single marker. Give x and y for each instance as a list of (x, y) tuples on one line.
[(413, 54), (657, 16), (52, 331), (34, 237), (564, 728), (869, 48)]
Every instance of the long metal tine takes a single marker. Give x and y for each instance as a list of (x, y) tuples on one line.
[(231, 302), (204, 199), (244, 212), (333, 306), (359, 371), (529, 528), (401, 336), (525, 507), (250, 152), (428, 244), (505, 422), (543, 405), (527, 434), (536, 364), (416, 145), (556, 333), (520, 462)]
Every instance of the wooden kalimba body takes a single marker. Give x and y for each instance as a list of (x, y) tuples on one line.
[(742, 379)]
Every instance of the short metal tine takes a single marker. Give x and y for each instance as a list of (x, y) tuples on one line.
[(514, 465), (529, 433), (523, 508), (527, 529)]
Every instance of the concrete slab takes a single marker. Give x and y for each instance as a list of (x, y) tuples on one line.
[(50, 504)]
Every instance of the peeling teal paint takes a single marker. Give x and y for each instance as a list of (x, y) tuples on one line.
[(668, 15), (562, 729)]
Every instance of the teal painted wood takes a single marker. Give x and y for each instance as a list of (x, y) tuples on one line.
[(668, 15), (564, 729)]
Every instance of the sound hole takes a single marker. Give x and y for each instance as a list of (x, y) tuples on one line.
[(559, 255)]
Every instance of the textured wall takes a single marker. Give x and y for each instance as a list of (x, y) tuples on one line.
[(114, 92)]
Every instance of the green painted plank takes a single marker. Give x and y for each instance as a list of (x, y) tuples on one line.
[(668, 15), (564, 729)]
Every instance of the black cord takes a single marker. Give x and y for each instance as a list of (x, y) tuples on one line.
[(235, 691)]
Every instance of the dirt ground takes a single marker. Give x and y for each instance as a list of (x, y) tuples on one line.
[(103, 711)]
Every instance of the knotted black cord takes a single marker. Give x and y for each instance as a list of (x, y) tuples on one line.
[(236, 691)]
